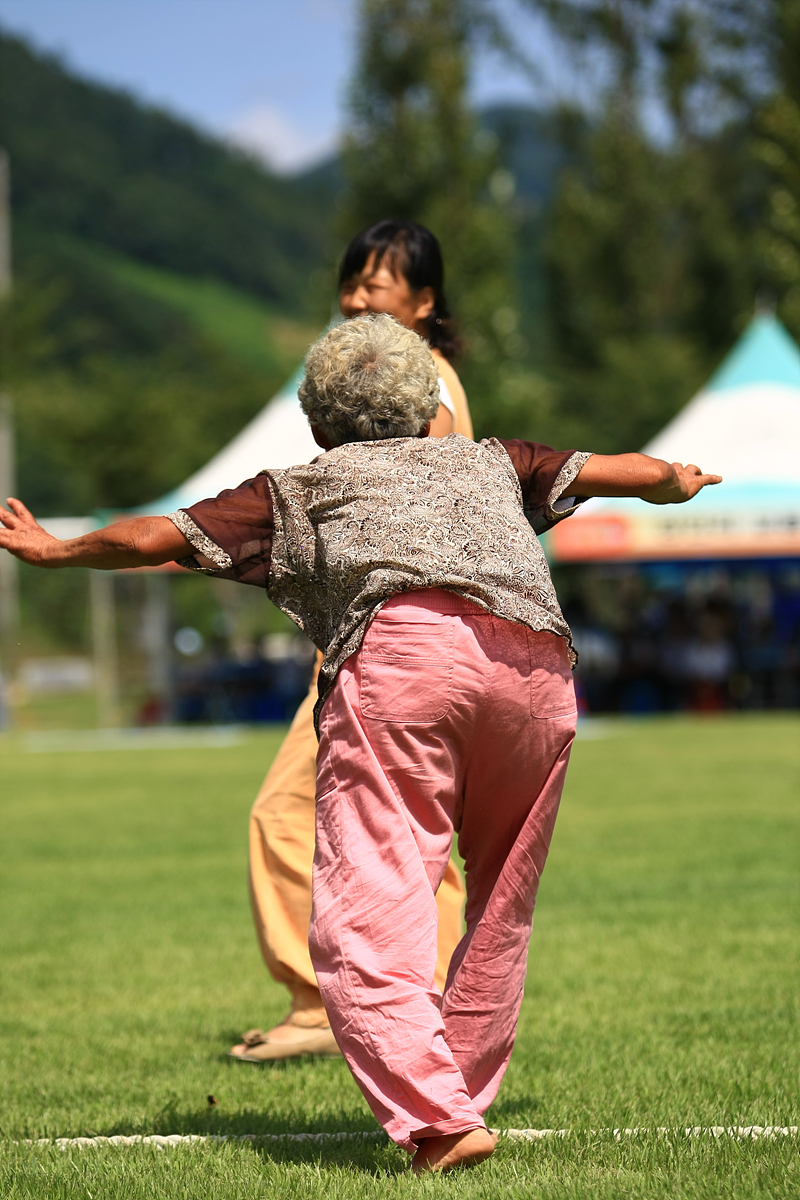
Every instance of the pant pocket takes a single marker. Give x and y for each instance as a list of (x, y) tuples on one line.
[(407, 670), (552, 690)]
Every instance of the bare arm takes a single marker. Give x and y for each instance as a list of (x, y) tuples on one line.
[(650, 479), (140, 542), (442, 423), (463, 420)]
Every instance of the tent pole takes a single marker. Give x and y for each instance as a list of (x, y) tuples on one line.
[(104, 641), (9, 577), (9, 594), (156, 631)]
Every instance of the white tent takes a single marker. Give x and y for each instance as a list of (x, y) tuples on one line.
[(744, 425)]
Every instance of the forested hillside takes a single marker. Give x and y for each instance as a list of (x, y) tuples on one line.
[(164, 287), (97, 164)]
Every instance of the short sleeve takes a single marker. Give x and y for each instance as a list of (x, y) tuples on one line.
[(234, 531), (544, 476)]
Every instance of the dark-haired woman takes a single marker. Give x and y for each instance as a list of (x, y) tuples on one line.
[(392, 267), (396, 267)]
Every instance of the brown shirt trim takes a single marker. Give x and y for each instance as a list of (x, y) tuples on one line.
[(235, 531)]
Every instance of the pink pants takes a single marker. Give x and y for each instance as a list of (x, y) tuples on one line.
[(446, 719)]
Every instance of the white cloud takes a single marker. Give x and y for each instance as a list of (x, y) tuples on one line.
[(270, 136)]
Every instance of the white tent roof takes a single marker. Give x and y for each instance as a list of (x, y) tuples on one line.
[(744, 425)]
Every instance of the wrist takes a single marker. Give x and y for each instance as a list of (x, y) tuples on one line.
[(665, 486), (51, 553)]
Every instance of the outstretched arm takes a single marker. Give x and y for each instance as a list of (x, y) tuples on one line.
[(650, 479), (140, 542)]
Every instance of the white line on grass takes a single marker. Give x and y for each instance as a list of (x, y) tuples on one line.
[(165, 737), (163, 1141), (590, 729)]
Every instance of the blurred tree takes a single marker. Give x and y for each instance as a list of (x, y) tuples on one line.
[(778, 147), (413, 150), (649, 248)]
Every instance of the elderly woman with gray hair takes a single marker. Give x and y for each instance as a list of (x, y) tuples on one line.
[(445, 702), (393, 267)]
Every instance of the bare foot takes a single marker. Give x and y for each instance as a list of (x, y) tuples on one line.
[(453, 1150)]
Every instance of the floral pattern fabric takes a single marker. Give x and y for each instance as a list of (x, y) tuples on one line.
[(368, 520)]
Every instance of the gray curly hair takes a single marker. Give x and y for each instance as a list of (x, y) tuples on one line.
[(368, 379)]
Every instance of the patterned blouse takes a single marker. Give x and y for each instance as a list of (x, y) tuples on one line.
[(331, 541)]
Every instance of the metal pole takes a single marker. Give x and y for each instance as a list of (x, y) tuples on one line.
[(9, 579), (104, 640), (9, 597), (5, 225), (157, 643)]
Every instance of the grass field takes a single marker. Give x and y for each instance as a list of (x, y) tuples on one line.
[(662, 989)]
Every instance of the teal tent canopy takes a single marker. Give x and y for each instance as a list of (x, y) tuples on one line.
[(744, 425)]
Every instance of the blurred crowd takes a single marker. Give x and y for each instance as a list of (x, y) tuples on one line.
[(650, 639), (694, 638), (264, 683)]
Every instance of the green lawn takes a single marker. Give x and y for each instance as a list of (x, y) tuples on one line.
[(662, 990)]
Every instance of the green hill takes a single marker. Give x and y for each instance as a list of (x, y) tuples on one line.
[(94, 162), (127, 377), (164, 287), (240, 324)]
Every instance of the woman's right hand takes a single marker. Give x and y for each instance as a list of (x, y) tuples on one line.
[(22, 535)]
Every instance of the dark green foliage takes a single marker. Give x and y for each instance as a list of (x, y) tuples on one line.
[(778, 148), (652, 273), (118, 398), (55, 610), (649, 247), (122, 387)]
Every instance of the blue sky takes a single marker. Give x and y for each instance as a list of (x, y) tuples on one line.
[(270, 74)]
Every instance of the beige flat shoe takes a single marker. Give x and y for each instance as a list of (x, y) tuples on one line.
[(285, 1041)]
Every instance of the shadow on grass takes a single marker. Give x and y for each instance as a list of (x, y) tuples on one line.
[(274, 1064), (368, 1150), (257, 1121), (374, 1155), (517, 1113), (368, 1157)]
